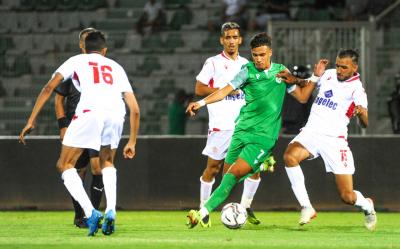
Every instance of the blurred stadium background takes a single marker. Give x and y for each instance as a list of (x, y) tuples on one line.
[(37, 35)]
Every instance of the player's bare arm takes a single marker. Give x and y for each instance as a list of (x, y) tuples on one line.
[(41, 100), (362, 114), (202, 89), (214, 97), (134, 118), (60, 114)]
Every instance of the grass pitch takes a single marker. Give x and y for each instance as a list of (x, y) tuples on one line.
[(31, 230)]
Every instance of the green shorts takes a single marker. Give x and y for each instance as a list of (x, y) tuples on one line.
[(251, 148)]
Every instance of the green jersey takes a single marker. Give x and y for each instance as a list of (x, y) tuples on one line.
[(264, 95)]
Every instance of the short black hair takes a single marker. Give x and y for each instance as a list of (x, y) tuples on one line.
[(95, 41), (84, 31), (349, 53), (228, 26), (261, 39)]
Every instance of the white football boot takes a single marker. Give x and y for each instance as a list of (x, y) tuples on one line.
[(307, 214)]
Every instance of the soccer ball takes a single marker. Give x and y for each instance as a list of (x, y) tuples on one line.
[(233, 215)]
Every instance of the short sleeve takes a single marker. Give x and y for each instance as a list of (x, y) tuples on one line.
[(125, 86), (67, 68), (240, 78), (360, 97), (207, 72)]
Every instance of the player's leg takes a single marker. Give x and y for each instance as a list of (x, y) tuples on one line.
[(110, 187), (73, 183), (97, 186), (294, 154), (79, 219), (250, 187), (350, 196), (207, 179), (215, 149)]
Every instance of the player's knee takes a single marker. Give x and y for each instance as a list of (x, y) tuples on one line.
[(290, 159), (348, 197)]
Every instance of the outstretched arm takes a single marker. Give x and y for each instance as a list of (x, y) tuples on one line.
[(306, 86), (44, 95), (134, 119), (214, 97)]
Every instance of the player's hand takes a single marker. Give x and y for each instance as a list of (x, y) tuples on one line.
[(234, 93), (192, 107), (62, 133), (27, 129), (359, 110), (320, 67), (287, 77), (129, 150)]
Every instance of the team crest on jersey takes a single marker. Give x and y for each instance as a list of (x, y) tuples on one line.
[(328, 93), (278, 80)]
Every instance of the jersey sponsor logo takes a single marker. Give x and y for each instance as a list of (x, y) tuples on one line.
[(328, 93), (257, 76), (326, 102), (235, 97), (278, 80)]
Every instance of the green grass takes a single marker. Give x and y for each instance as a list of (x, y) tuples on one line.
[(31, 230)]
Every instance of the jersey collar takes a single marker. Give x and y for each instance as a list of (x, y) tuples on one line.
[(356, 76), (227, 57)]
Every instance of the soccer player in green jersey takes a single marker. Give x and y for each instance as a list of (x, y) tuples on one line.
[(257, 127)]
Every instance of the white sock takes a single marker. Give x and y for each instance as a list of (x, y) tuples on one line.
[(296, 178), (110, 187), (203, 212), (250, 187), (363, 203), (205, 191), (74, 185)]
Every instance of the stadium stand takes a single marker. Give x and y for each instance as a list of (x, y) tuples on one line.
[(36, 36)]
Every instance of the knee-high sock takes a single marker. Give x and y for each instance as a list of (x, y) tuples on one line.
[(74, 185), (222, 192), (96, 190), (363, 203), (250, 187), (110, 187), (205, 191), (296, 178)]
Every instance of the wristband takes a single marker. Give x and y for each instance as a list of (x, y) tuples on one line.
[(201, 102), (62, 122), (314, 78)]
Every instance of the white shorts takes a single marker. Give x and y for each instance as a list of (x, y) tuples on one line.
[(334, 151), (217, 144), (91, 130)]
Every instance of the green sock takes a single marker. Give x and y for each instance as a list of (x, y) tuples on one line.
[(222, 192)]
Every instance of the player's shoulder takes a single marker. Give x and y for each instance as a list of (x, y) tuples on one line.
[(277, 66)]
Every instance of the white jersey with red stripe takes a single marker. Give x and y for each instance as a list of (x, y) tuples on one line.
[(100, 80), (217, 72), (334, 105)]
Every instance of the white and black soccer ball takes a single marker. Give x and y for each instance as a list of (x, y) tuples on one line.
[(233, 215)]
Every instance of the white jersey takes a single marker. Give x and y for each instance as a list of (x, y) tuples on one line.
[(100, 80), (217, 72), (334, 105)]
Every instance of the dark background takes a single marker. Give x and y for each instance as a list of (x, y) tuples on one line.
[(165, 176)]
